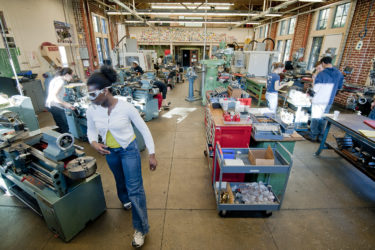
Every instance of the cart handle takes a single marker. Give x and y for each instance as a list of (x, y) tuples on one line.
[(218, 148)]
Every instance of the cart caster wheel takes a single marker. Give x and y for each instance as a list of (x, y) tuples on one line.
[(205, 153), (223, 213), (267, 214)]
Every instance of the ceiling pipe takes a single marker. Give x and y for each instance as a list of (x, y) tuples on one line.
[(264, 13), (134, 12), (106, 5), (292, 10)]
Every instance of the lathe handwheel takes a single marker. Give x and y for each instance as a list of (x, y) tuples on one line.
[(65, 141)]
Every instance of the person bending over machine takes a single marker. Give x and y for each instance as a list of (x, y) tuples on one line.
[(273, 85)]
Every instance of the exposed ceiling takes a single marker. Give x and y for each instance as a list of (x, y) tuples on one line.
[(214, 12)]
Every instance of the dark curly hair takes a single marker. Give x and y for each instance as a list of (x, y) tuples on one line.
[(103, 78)]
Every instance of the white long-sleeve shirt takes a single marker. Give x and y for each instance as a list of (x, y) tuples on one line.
[(119, 123), (56, 92)]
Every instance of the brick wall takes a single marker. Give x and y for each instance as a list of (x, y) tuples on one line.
[(360, 60), (273, 32), (342, 97), (301, 32)]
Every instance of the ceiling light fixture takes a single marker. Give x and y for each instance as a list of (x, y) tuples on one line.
[(192, 7), (273, 15), (312, 1), (187, 13)]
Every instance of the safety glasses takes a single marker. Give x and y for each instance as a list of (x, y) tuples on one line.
[(94, 94)]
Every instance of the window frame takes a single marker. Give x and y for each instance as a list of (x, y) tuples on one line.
[(346, 16), (290, 21), (283, 25), (318, 26), (103, 54), (284, 50)]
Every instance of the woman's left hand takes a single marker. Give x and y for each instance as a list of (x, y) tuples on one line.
[(153, 162)]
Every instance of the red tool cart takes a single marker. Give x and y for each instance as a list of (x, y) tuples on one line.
[(229, 136)]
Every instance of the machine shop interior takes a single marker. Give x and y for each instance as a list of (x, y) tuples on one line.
[(253, 120)]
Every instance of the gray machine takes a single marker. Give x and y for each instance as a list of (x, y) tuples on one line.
[(47, 172), (23, 107)]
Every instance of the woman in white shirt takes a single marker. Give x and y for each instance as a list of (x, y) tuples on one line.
[(111, 118), (55, 103)]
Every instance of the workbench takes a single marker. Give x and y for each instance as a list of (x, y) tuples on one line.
[(257, 87), (351, 124), (287, 142)]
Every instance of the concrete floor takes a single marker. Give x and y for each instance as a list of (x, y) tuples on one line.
[(328, 203)]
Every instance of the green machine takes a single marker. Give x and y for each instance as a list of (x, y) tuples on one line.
[(210, 81), (51, 175)]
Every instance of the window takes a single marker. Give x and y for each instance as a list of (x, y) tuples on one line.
[(266, 31), (292, 25), (341, 15), (322, 19), (283, 28), (260, 32), (279, 48), (104, 26), (100, 26), (99, 49), (95, 23), (106, 47), (315, 52), (64, 58), (288, 45)]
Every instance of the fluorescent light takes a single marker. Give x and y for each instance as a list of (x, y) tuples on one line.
[(133, 21), (192, 7), (275, 14), (312, 1), (187, 13), (196, 3)]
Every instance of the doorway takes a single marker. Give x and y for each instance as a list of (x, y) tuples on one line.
[(186, 58), (315, 52)]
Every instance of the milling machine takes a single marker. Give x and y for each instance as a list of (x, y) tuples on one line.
[(211, 82), (51, 175)]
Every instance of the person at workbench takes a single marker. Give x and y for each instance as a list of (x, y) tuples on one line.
[(372, 113), (112, 119), (337, 77), (136, 68), (273, 85), (326, 84), (55, 103)]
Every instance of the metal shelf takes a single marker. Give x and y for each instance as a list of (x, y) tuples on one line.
[(283, 164)]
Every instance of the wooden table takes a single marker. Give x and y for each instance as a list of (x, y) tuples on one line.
[(256, 86), (351, 124)]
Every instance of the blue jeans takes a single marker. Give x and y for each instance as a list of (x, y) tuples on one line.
[(317, 127), (125, 165), (372, 114), (59, 116)]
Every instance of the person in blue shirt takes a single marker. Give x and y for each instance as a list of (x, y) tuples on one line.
[(273, 85), (326, 84), (372, 113), (337, 77), (136, 68)]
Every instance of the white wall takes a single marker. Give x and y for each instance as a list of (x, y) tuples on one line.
[(31, 23)]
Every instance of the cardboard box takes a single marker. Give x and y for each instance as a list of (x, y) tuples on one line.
[(263, 157), (235, 93), (230, 193)]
